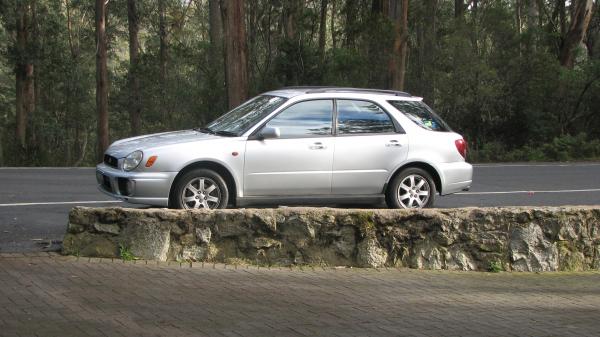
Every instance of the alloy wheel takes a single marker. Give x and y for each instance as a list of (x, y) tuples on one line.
[(201, 192), (414, 191)]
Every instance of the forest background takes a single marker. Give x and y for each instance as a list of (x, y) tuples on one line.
[(520, 79)]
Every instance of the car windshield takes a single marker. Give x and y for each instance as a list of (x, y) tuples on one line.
[(242, 118), (421, 114)]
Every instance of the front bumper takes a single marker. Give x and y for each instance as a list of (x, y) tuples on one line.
[(150, 188)]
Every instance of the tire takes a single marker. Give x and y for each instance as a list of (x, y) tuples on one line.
[(401, 194), (189, 194)]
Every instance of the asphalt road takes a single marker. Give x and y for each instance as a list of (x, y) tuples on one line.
[(34, 202)]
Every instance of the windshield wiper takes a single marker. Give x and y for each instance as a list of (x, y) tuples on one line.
[(213, 132), (205, 130), (226, 133)]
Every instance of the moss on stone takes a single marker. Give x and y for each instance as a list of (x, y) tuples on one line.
[(571, 259), (365, 222)]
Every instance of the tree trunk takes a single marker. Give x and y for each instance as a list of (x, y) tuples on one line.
[(430, 46), (397, 67), (593, 35), (135, 108), (533, 14), (25, 93), (332, 24), (459, 9), (101, 78), (2, 149), (74, 114), (519, 18), (215, 27), (562, 10), (236, 64), (350, 27), (579, 25), (322, 30), (163, 58), (290, 17)]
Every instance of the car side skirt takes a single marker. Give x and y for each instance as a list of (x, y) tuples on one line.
[(370, 199)]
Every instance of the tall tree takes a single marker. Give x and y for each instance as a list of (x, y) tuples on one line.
[(322, 30), (101, 78), (397, 65), (459, 9), (73, 100), (291, 9), (24, 76), (579, 25), (332, 24), (134, 103), (429, 49), (350, 24), (215, 28), (236, 63), (163, 56)]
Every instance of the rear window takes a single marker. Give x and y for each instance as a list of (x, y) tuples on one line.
[(421, 114)]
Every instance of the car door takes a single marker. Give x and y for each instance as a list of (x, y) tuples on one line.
[(298, 162), (368, 146)]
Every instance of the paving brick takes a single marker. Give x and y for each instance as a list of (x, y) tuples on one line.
[(54, 295)]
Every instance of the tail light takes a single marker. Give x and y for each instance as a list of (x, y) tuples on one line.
[(461, 146)]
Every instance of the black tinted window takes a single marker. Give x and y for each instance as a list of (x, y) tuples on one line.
[(362, 117), (421, 115), (310, 118)]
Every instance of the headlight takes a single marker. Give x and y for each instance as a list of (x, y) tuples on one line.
[(132, 160)]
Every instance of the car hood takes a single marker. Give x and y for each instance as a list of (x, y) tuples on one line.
[(123, 147)]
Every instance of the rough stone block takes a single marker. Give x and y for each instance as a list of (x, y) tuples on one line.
[(520, 239)]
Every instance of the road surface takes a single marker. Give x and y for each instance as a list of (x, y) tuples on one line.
[(34, 202)]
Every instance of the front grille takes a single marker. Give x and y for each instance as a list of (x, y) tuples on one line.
[(106, 183), (111, 161), (124, 186)]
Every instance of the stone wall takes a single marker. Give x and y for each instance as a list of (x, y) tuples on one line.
[(520, 239)]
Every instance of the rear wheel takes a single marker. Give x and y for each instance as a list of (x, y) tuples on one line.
[(200, 188), (411, 188)]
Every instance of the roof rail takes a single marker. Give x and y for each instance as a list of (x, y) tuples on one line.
[(324, 89)]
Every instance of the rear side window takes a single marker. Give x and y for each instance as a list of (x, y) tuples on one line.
[(356, 117), (421, 114)]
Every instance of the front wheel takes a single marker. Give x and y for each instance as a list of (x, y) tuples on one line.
[(411, 188), (200, 188)]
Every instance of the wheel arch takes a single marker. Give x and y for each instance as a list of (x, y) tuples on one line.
[(211, 165), (437, 180)]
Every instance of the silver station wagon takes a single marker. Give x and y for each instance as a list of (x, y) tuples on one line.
[(296, 146)]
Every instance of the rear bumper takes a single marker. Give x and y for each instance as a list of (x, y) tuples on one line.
[(150, 188), (455, 177)]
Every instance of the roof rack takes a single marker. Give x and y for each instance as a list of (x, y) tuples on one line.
[(318, 90)]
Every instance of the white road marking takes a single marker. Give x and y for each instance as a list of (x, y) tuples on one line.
[(536, 165), (530, 192), (61, 203), (46, 168)]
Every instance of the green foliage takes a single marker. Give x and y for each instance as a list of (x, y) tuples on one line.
[(495, 267), (499, 85), (562, 148), (125, 254)]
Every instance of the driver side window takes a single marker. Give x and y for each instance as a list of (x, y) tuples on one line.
[(304, 119)]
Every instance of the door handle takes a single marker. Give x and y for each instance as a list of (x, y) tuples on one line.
[(317, 146), (394, 143)]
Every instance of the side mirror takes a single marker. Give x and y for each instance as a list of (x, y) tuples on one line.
[(268, 133)]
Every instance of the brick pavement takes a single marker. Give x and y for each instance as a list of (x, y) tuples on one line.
[(51, 295)]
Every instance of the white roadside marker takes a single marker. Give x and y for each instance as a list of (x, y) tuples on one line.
[(530, 192), (61, 203)]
